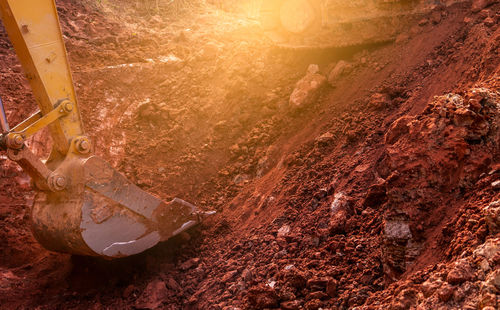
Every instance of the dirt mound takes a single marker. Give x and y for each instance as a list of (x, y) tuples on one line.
[(380, 189)]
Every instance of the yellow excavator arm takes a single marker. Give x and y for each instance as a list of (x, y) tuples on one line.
[(83, 206), (33, 28)]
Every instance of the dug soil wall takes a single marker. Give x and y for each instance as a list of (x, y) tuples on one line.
[(361, 177)]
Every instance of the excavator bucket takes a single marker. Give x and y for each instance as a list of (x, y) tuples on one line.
[(82, 206), (86, 207), (106, 215)]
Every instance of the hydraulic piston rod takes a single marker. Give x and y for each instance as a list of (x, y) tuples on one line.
[(3, 118)]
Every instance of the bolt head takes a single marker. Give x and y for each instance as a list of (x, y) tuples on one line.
[(15, 142), (57, 182), (61, 181), (84, 145), (68, 107), (18, 140)]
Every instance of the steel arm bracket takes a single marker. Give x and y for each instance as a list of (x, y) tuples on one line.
[(13, 143), (16, 137)]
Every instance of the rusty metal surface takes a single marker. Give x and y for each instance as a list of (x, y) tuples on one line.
[(32, 165), (102, 178), (110, 229), (174, 217)]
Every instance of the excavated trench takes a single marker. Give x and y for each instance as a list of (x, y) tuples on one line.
[(362, 177)]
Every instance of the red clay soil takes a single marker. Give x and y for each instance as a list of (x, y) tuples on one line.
[(380, 192)]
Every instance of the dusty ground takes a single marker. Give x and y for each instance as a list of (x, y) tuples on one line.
[(378, 192)]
